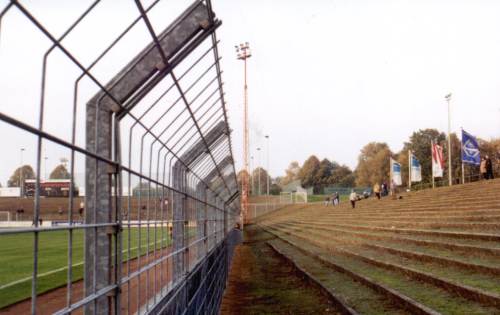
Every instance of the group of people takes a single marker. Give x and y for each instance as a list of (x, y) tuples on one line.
[(381, 190), (486, 168), (335, 199)]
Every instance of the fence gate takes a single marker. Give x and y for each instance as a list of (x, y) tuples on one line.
[(130, 95)]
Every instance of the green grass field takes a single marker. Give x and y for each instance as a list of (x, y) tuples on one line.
[(321, 198), (16, 259)]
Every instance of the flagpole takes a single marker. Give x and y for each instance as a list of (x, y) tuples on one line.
[(392, 184), (409, 169), (448, 99), (432, 164), (390, 174), (462, 155)]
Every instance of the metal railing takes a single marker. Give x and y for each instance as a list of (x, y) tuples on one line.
[(256, 210), (165, 248), (469, 178)]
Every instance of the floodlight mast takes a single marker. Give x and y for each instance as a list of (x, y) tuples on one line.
[(267, 166), (259, 167), (243, 53)]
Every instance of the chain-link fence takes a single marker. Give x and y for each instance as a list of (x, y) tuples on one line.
[(131, 95)]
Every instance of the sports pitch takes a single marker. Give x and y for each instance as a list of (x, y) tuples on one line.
[(16, 261)]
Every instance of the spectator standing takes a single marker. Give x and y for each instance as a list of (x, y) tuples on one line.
[(376, 190), (385, 189), (489, 168), (393, 189), (335, 198), (482, 168), (80, 210), (353, 197)]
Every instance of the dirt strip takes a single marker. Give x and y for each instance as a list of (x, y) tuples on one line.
[(261, 282)]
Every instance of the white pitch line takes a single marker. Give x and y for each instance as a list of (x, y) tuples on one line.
[(48, 273)]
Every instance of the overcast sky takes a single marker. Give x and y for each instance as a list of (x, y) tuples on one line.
[(325, 77)]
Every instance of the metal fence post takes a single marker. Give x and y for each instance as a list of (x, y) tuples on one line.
[(98, 205)]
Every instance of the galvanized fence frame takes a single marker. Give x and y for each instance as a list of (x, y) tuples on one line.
[(183, 162)]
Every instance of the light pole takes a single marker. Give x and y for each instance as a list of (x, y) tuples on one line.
[(448, 99), (243, 53), (251, 175), (258, 168), (21, 181), (267, 165)]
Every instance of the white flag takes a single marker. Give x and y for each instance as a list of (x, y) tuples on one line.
[(437, 160), (416, 170), (396, 173)]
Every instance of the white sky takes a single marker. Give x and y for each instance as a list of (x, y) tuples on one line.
[(325, 78)]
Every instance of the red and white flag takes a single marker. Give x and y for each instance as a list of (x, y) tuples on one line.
[(437, 160)]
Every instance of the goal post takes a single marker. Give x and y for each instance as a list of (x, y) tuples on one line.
[(293, 197), (300, 197), (286, 197), (5, 216)]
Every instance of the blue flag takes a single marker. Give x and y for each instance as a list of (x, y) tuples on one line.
[(416, 170), (470, 149), (395, 173)]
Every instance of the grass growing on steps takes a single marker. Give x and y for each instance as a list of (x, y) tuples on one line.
[(434, 297)]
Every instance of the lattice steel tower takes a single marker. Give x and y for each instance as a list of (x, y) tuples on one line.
[(243, 53)]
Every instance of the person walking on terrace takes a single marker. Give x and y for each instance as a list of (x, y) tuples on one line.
[(376, 190), (353, 197)]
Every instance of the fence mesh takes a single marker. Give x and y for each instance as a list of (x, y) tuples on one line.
[(129, 94)]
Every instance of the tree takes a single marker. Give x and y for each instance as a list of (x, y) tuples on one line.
[(15, 179), (239, 177), (324, 173), (373, 164), (263, 181), (60, 172), (402, 159), (291, 173), (456, 158), (348, 181), (275, 189), (492, 149), (342, 176), (308, 173), (420, 145)]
